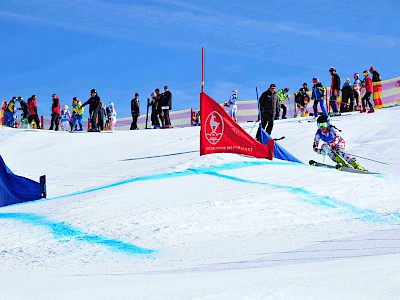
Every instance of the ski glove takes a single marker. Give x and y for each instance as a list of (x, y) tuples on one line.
[(321, 151)]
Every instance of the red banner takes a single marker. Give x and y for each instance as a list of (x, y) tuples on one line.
[(220, 134)]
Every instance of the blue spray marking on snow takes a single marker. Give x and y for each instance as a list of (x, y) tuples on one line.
[(63, 231), (306, 195)]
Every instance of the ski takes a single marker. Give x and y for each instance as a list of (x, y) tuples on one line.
[(351, 170), (318, 164), (339, 168)]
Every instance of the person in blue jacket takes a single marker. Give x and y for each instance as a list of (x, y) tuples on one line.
[(318, 94)]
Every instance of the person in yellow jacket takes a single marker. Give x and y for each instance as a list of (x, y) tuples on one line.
[(281, 98), (77, 114)]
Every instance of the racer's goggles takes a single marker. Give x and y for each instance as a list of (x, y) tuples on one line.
[(323, 125)]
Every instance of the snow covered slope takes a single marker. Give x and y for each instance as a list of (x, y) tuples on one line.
[(139, 214)]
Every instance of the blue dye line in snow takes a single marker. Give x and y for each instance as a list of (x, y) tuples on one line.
[(306, 196), (61, 230)]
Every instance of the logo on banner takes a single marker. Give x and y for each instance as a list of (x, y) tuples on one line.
[(214, 128)]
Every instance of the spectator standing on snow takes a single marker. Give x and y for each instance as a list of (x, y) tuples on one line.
[(301, 99), (367, 84), (65, 118), (376, 87), (112, 117), (335, 91), (155, 122), (94, 104), (282, 96), (166, 107), (55, 113), (33, 113), (159, 99), (268, 104), (347, 96), (232, 104), (318, 95), (77, 114), (24, 107), (356, 91), (3, 107), (9, 113), (135, 111), (101, 116)]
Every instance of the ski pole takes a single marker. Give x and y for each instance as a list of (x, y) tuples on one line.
[(258, 118), (377, 161)]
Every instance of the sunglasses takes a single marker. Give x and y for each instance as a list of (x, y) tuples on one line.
[(323, 125)]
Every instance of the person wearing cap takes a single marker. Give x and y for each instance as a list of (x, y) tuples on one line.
[(77, 115), (94, 104), (376, 87), (33, 113), (268, 104), (135, 111), (55, 113), (335, 90), (333, 144), (318, 95), (166, 107), (367, 84), (232, 104)]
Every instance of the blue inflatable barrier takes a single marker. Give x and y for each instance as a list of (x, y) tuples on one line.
[(17, 189), (279, 151)]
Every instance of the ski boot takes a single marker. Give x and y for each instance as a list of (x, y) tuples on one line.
[(340, 161), (356, 165), (371, 110)]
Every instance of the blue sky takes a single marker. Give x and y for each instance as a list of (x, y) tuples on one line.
[(121, 47)]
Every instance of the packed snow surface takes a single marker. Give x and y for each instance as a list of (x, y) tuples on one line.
[(141, 215)]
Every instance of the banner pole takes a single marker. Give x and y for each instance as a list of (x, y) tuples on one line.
[(202, 69)]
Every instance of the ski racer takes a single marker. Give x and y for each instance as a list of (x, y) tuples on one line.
[(333, 144)]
